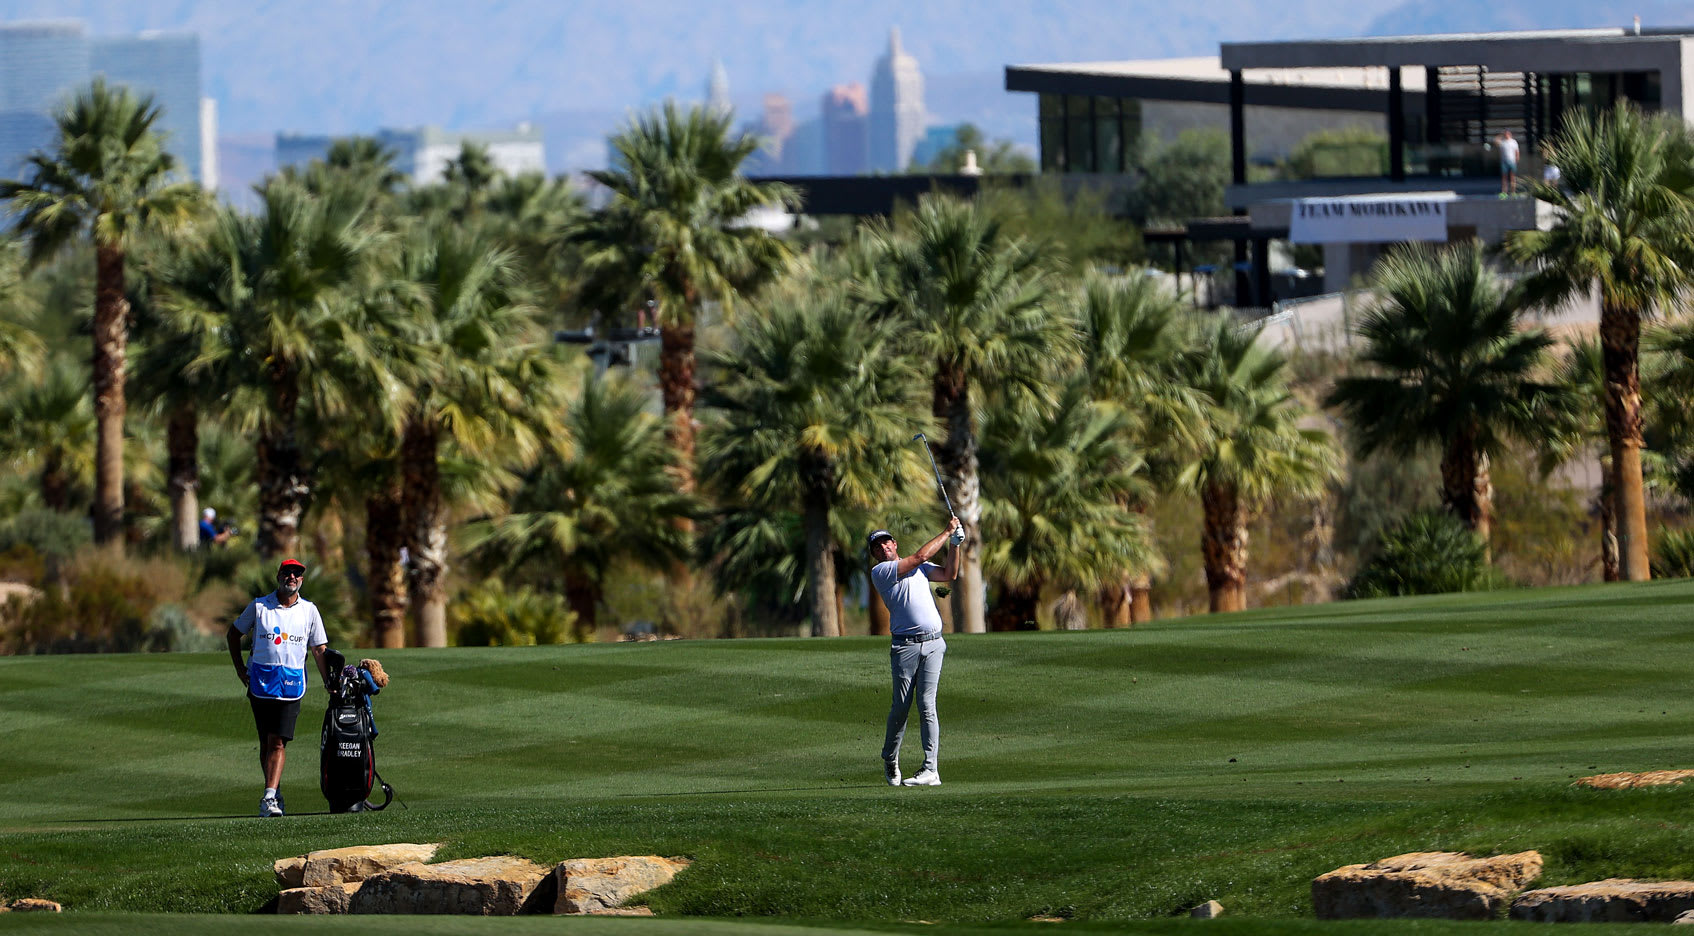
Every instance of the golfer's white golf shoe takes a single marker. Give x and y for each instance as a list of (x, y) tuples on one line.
[(891, 772), (268, 807), (925, 777)]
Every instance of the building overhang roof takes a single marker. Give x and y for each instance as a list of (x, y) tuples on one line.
[(1205, 80), (1559, 50)]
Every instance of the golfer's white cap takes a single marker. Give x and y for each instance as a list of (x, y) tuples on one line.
[(208, 513), (877, 536)]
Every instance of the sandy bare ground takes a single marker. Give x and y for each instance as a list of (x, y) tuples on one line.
[(1628, 781)]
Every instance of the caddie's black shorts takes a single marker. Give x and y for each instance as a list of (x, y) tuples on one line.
[(272, 717)]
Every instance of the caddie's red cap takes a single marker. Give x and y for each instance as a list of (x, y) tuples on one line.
[(291, 564)]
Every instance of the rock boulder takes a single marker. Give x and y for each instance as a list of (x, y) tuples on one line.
[(289, 872), (589, 885), (1615, 900), (1446, 885), (331, 898), (496, 886), (34, 905), (357, 863)]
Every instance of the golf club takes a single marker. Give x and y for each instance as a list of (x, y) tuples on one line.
[(937, 469)]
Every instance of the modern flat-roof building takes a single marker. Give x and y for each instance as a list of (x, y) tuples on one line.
[(423, 152), (1439, 102), (42, 65), (1093, 114)]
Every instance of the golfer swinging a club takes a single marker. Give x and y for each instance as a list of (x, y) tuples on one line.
[(915, 624)]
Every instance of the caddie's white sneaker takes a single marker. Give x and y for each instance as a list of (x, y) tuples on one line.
[(923, 778), (891, 772), (268, 807)]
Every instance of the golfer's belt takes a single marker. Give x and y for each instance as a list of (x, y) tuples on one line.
[(916, 638)]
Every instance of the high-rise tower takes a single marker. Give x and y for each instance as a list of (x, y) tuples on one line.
[(844, 130), (897, 112), (717, 91), (44, 65)]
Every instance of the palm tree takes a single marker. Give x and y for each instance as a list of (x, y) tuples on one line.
[(1623, 220), (164, 378), (609, 497), (47, 427), (814, 412), (975, 305), (1446, 365), (286, 289), (489, 389), (1133, 334), (1253, 448), (670, 235), (1582, 376), (1054, 480), (110, 178), (21, 349)]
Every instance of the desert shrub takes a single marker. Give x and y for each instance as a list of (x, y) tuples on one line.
[(103, 609), (491, 614), (1673, 557), (1427, 553), (51, 536), (170, 628)]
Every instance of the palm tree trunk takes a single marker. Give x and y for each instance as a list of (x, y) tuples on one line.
[(1224, 547), (111, 333), (282, 485), (182, 442), (1467, 490), (1115, 600), (1141, 598), (385, 535), (1138, 588), (426, 528), (583, 596), (815, 475), (1015, 608), (958, 460), (55, 481), (1608, 521), (328, 532), (880, 623), (676, 386), (1620, 351)]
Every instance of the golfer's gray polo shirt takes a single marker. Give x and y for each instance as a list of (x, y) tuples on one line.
[(911, 605)]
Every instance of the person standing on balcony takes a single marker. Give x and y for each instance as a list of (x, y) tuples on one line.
[(1508, 163)]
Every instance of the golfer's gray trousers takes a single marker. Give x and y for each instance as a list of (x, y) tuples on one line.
[(917, 674)]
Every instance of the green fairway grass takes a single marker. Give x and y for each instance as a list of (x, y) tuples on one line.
[(1110, 778)]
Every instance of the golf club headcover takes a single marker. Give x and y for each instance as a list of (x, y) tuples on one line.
[(377, 675)]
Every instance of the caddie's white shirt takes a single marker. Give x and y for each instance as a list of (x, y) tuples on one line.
[(911, 605), (281, 635)]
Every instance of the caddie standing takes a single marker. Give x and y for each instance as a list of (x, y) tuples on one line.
[(284, 626), (918, 648)]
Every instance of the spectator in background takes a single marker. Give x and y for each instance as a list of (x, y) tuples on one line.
[(1550, 173), (210, 535), (1508, 163)]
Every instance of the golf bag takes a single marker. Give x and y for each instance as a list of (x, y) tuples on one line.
[(346, 751)]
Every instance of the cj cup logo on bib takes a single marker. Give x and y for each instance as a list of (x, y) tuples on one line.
[(277, 637)]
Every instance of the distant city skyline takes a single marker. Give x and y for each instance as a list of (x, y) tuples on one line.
[(578, 70)]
